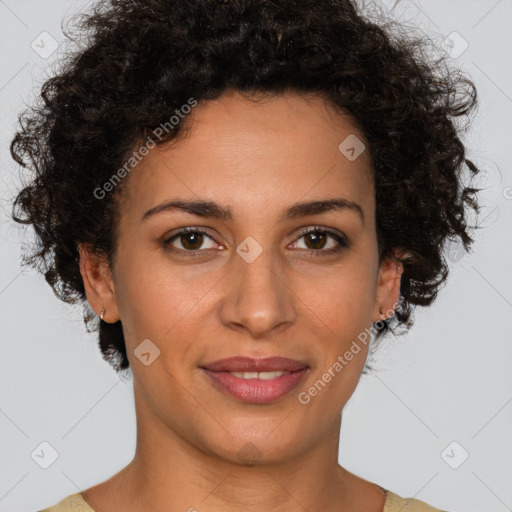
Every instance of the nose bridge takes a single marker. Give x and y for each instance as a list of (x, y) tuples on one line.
[(258, 297)]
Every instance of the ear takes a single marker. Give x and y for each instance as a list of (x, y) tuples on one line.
[(98, 283), (388, 287)]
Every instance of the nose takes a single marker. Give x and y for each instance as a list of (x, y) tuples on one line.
[(259, 299)]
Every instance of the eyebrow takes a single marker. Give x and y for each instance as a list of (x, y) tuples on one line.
[(210, 209)]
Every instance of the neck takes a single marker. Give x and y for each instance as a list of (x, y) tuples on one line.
[(169, 473)]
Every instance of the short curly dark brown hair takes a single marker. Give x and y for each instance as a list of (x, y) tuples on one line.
[(144, 59)]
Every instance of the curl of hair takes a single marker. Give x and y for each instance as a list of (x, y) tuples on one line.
[(143, 59)]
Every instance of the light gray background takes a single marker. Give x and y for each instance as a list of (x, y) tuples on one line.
[(448, 380)]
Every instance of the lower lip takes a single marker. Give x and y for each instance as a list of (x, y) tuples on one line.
[(257, 391)]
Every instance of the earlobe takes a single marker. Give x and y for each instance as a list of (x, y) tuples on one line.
[(98, 283)]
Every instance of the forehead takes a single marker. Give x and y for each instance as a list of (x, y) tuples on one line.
[(257, 152)]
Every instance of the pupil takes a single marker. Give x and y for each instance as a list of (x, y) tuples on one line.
[(186, 237), (316, 236)]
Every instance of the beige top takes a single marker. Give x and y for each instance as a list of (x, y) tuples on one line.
[(393, 503)]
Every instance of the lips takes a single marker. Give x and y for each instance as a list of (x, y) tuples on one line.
[(242, 377), (248, 364)]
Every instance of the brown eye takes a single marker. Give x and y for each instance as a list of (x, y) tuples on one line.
[(317, 239), (191, 241)]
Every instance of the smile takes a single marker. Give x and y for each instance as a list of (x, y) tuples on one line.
[(256, 387)]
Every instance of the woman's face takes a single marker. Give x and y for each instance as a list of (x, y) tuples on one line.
[(253, 285)]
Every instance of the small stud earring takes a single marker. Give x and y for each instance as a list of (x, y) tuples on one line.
[(102, 313)]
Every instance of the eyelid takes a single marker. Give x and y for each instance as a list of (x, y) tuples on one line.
[(339, 237), (167, 239)]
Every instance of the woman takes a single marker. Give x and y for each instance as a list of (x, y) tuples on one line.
[(245, 192)]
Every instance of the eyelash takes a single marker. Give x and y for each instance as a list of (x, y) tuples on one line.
[(316, 229)]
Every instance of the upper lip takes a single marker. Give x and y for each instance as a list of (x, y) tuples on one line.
[(249, 364)]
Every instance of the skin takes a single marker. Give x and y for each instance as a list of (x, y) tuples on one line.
[(258, 159)]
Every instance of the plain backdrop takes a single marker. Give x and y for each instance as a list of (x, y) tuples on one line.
[(434, 423)]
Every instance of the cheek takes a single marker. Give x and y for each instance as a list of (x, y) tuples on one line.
[(343, 300), (158, 302), (341, 308)]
